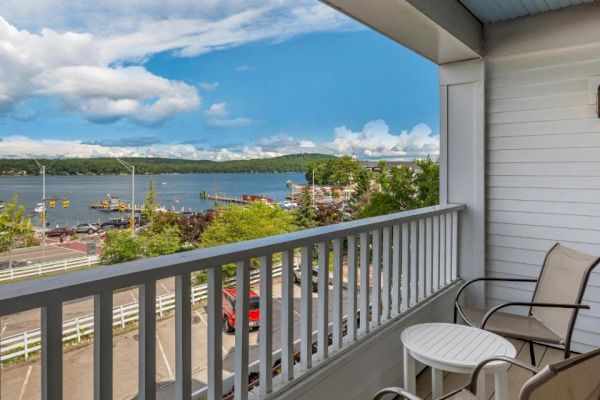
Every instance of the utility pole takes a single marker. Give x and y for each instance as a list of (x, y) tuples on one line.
[(43, 169), (313, 187), (131, 168)]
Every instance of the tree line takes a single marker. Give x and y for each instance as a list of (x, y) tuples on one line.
[(109, 166)]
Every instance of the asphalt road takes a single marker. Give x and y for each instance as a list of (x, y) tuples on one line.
[(22, 381), (33, 255)]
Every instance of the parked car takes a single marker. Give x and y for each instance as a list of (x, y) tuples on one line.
[(87, 228), (315, 276), (115, 224), (60, 231), (229, 309)]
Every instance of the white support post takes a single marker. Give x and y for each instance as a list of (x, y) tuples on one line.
[(103, 341), (396, 271), (386, 272), (306, 308), (364, 283), (323, 301), (414, 277), (405, 267), (337, 295), (266, 324), (287, 315), (183, 337), (215, 336), (147, 341), (52, 360), (352, 288), (241, 329), (376, 277)]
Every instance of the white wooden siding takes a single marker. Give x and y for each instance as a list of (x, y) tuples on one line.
[(543, 169)]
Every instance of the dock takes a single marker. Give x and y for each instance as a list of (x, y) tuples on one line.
[(227, 199)]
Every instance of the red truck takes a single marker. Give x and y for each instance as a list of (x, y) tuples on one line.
[(229, 309)]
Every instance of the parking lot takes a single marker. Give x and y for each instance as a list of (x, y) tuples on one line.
[(22, 381)]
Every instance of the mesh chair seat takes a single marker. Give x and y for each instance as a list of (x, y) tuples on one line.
[(514, 326)]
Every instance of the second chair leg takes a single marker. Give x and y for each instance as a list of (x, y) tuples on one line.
[(532, 354)]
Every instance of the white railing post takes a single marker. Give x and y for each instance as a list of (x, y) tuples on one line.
[(337, 312), (266, 324), (160, 306), (26, 344), (287, 314), (364, 283), (241, 330), (52, 360), (306, 308), (406, 278), (122, 316), (147, 341), (352, 288), (323, 301), (103, 349), (78, 330), (386, 272), (215, 336), (183, 337), (376, 277), (396, 271), (421, 247), (413, 263)]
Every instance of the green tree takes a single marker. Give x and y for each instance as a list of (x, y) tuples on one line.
[(119, 246), (335, 171), (306, 214), (252, 221), (166, 241), (362, 192), (428, 182), (15, 227), (150, 202)]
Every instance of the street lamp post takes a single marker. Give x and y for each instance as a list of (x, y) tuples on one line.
[(43, 169), (131, 168)]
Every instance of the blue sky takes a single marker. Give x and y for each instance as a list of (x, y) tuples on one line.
[(318, 82)]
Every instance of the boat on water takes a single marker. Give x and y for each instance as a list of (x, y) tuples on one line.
[(39, 207)]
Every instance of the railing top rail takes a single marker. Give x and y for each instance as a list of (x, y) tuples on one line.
[(36, 293)]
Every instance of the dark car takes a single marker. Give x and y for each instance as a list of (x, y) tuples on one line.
[(87, 228), (60, 231), (115, 224), (315, 276)]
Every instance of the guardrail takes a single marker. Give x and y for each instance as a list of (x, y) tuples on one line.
[(46, 268), (78, 329), (404, 257)]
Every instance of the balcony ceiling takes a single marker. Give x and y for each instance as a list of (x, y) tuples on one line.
[(488, 11)]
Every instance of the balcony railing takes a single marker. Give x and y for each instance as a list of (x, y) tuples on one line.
[(403, 258)]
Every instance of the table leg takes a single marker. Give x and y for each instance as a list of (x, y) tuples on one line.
[(501, 385), (481, 385), (410, 379), (437, 383)]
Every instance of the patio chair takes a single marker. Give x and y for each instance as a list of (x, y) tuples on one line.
[(577, 378), (554, 306)]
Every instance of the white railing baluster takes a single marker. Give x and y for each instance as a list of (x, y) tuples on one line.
[(376, 276), (428, 255), (323, 301), (352, 288), (287, 315), (396, 271), (183, 337), (306, 307), (414, 277), (448, 248), (364, 283), (421, 261), (103, 346), (215, 338), (52, 360), (337, 313), (436, 253), (454, 245), (386, 272), (147, 341), (242, 310), (442, 281), (266, 324), (405, 267)]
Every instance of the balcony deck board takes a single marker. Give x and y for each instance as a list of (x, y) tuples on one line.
[(516, 376)]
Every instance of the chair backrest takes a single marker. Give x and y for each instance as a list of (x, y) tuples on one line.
[(576, 378), (563, 279)]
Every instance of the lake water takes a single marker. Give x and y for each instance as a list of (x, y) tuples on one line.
[(85, 190)]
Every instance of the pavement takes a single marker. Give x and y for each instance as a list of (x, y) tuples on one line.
[(54, 251), (22, 381)]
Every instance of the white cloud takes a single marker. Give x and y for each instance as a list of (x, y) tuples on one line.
[(209, 86), (376, 141), (244, 68), (218, 110), (77, 51), (223, 123)]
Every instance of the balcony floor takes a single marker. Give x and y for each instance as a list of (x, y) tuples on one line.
[(516, 376)]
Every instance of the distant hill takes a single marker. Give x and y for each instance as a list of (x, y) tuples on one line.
[(110, 166)]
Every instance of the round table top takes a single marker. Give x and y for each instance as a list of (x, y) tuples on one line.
[(455, 345)]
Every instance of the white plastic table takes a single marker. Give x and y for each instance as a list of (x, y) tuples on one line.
[(455, 348)]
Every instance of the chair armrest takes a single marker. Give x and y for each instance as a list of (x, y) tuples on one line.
[(489, 314), (457, 307), (398, 392), (475, 373)]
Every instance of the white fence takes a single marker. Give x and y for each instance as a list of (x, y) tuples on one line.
[(77, 329), (47, 268)]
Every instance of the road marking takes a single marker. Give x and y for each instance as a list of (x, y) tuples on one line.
[(163, 286), (25, 383), (295, 312), (206, 324), (3, 329), (164, 356), (132, 296)]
